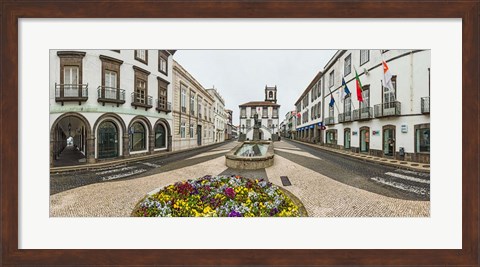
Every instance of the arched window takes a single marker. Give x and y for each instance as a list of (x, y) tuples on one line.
[(270, 95), (138, 141), (160, 136), (107, 140)]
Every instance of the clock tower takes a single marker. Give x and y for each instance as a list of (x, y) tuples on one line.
[(271, 94)]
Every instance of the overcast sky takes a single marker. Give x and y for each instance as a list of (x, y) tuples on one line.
[(241, 75)]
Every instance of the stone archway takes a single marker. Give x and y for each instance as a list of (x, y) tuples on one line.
[(75, 125), (168, 132), (149, 135), (119, 123)]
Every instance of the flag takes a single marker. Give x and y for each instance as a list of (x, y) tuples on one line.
[(299, 115), (345, 91), (359, 87), (387, 78), (332, 101)]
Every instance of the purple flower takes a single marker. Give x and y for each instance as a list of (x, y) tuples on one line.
[(229, 192), (273, 211), (234, 213)]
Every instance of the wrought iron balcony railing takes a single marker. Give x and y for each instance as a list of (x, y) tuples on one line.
[(363, 114), (71, 92), (345, 117), (107, 94), (425, 104), (388, 109), (163, 106), (329, 120), (141, 100)]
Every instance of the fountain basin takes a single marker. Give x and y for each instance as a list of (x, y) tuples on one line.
[(250, 155)]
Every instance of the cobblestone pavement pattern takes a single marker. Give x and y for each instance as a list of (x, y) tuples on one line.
[(328, 185)]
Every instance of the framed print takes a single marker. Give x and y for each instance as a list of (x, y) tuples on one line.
[(123, 88)]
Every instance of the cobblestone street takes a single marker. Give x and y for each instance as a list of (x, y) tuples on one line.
[(328, 185)]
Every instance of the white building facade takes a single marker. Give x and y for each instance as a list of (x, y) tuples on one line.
[(111, 103), (192, 111), (308, 120), (394, 123), (219, 115), (267, 112)]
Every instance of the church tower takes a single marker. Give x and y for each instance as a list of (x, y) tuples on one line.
[(271, 94)]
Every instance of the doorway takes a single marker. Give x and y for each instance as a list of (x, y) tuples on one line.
[(389, 141), (364, 139), (199, 135)]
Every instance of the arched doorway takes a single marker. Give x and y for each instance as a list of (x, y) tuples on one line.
[(138, 139), (160, 136), (364, 139), (71, 142), (389, 140), (108, 140), (346, 138)]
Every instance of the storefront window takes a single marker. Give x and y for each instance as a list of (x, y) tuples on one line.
[(423, 140), (138, 140)]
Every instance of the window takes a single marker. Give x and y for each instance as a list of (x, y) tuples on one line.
[(331, 136), (140, 94), (190, 131), (422, 138), (71, 81), (199, 106), (319, 110), (331, 112), (160, 136), (364, 56), (275, 112), (138, 141), (366, 97), (389, 96), (140, 91), (347, 67), (270, 95), (330, 79), (312, 113), (253, 111), (265, 112), (183, 98), (243, 112), (319, 88), (249, 123), (347, 108), (182, 129), (110, 83), (142, 56), (270, 123), (71, 75), (162, 94), (192, 103), (163, 62)]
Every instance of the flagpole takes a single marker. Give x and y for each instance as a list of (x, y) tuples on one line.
[(334, 102)]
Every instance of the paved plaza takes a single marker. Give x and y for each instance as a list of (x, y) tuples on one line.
[(328, 184)]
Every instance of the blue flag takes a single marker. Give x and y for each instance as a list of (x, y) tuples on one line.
[(331, 101), (345, 87)]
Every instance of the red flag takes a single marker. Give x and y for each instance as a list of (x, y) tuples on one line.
[(359, 87)]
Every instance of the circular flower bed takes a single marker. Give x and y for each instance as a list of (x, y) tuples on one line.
[(218, 196)]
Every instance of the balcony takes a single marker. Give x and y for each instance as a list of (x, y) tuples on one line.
[(141, 100), (163, 106), (388, 109), (329, 121), (71, 93), (345, 117), (425, 105), (363, 114), (110, 95)]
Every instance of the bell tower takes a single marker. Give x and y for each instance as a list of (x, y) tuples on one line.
[(271, 94)]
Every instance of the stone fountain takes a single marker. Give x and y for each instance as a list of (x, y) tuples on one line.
[(251, 155)]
